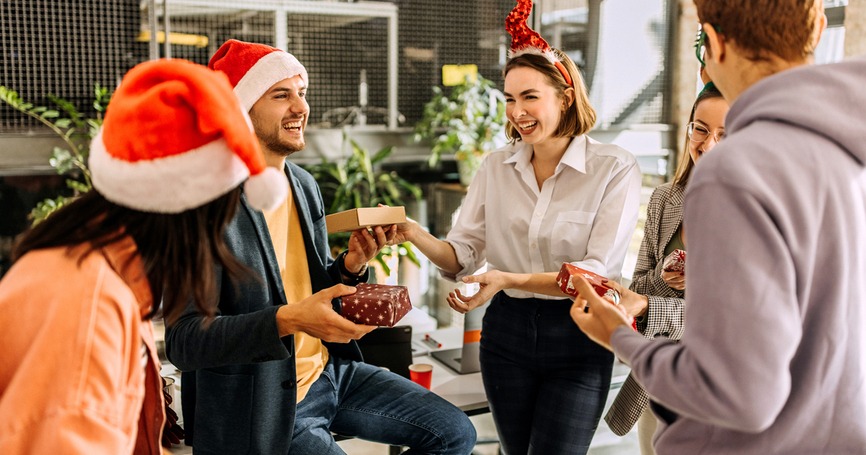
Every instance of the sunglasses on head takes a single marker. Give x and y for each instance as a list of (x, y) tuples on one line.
[(700, 43)]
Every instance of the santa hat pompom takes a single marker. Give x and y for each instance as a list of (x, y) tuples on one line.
[(267, 190)]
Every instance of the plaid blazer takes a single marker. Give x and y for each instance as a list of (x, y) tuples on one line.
[(664, 316)]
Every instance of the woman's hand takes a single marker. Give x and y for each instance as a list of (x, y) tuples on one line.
[(676, 280), (491, 282), (595, 316), (635, 304), (403, 232)]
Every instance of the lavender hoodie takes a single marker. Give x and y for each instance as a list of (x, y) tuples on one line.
[(773, 357)]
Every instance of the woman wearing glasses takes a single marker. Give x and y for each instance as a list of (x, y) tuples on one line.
[(656, 297)]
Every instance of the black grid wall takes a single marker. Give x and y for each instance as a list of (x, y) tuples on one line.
[(63, 47), (207, 28)]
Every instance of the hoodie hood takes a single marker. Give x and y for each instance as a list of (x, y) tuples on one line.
[(829, 100)]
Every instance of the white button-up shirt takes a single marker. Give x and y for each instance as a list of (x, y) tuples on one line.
[(584, 214)]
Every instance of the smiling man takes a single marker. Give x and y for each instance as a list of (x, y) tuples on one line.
[(278, 370)]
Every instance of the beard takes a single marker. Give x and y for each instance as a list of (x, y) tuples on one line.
[(271, 138), (273, 142)]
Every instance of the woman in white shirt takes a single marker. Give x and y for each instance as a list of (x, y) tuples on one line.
[(551, 196)]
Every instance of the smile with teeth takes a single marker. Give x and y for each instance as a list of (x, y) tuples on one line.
[(294, 125), (527, 125)]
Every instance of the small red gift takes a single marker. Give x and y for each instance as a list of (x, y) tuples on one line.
[(675, 262), (567, 273), (377, 304)]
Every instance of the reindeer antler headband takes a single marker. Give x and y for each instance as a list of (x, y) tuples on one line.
[(524, 40)]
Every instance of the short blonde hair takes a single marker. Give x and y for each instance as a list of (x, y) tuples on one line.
[(786, 28), (578, 118)]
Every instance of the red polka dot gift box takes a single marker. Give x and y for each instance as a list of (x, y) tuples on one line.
[(377, 304)]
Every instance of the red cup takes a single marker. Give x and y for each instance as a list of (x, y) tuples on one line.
[(421, 374)]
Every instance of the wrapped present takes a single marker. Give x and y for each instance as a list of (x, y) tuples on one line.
[(568, 272), (675, 262), (377, 304)]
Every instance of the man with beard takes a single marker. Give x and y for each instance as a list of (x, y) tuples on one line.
[(278, 370)]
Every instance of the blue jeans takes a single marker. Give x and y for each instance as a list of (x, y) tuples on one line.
[(546, 382), (365, 401)]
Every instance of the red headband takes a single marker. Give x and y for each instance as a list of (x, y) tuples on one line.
[(524, 40)]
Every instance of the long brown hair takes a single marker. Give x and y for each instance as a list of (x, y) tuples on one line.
[(179, 252), (578, 118), (684, 168)]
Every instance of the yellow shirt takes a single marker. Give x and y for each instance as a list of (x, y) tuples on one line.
[(285, 228)]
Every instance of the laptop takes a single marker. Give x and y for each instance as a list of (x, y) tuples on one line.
[(464, 360), (389, 347)]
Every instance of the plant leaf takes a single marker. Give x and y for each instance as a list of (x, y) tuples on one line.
[(62, 160), (382, 154)]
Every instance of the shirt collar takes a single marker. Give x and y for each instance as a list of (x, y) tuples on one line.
[(521, 158), (574, 157), (123, 257)]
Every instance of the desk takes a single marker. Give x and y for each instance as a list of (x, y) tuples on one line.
[(466, 391)]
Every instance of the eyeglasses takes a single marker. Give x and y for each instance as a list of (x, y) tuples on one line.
[(700, 133), (700, 43)]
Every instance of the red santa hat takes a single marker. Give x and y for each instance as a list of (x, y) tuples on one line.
[(174, 138), (254, 68), (524, 40)]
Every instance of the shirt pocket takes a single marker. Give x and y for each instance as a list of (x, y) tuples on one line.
[(570, 235)]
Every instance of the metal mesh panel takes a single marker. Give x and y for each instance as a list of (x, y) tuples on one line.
[(213, 26), (447, 32), (339, 53), (63, 47)]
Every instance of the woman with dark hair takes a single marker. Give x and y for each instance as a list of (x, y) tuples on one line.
[(551, 196), (79, 371), (656, 297)]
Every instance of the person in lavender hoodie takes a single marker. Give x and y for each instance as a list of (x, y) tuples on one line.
[(773, 356)]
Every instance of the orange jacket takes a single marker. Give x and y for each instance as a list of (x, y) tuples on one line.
[(71, 376)]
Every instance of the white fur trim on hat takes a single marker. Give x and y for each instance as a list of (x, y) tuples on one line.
[(267, 71), (267, 190), (549, 55), (167, 185)]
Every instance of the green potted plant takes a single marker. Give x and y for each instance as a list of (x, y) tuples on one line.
[(356, 183), (465, 123), (76, 130)]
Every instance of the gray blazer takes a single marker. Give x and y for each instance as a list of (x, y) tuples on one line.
[(664, 316), (238, 386)]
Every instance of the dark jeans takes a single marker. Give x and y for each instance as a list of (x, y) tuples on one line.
[(545, 380), (362, 400)]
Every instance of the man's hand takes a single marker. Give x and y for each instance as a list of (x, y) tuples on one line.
[(491, 282), (676, 280), (595, 316), (635, 304), (315, 316), (363, 246)]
